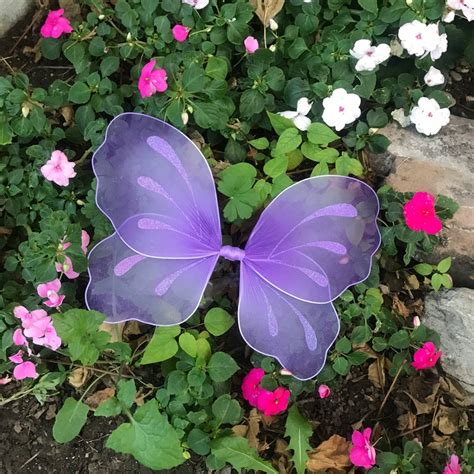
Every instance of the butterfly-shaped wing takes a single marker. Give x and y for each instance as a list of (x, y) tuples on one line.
[(125, 285), (316, 238), (157, 189), (295, 332)]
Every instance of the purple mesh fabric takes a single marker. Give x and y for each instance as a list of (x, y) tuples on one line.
[(312, 242)]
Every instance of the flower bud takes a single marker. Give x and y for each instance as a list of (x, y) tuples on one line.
[(285, 372), (416, 321), (25, 111), (324, 391), (101, 16), (272, 48), (129, 37), (185, 117), (273, 24)]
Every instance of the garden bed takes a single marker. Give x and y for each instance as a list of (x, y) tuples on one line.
[(418, 418)]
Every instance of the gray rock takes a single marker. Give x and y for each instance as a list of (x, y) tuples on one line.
[(11, 12), (442, 164), (451, 314)]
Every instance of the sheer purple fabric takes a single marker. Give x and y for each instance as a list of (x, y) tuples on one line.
[(312, 242)]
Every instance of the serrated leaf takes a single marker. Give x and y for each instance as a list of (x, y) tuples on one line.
[(221, 367), (299, 431), (149, 438), (236, 451)]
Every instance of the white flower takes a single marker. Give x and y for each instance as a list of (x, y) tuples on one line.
[(399, 116), (434, 77), (197, 4), (448, 17), (428, 117), (420, 39), (299, 117), (341, 108), (466, 6), (369, 57)]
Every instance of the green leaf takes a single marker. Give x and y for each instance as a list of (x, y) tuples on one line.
[(79, 93), (221, 367), (260, 143), (345, 165), (199, 442), (369, 5), (251, 102), (357, 358), (126, 392), (344, 345), (110, 407), (444, 265), (149, 438), (321, 134), (299, 431), (218, 321), (279, 123), (341, 365), (276, 166), (6, 134), (236, 451), (79, 330), (188, 343), (289, 140), (424, 269), (109, 65), (226, 411), (400, 340), (163, 345), (360, 334), (217, 68), (69, 420)]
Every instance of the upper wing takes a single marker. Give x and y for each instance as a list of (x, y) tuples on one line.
[(316, 238), (299, 334), (156, 187), (125, 285)]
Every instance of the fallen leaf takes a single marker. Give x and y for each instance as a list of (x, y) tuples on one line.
[(94, 400), (115, 331), (447, 420), (68, 114), (72, 9), (240, 430), (254, 428), (377, 372), (281, 460), (132, 328), (330, 454), (399, 306), (78, 377), (423, 392), (411, 282), (441, 443), (267, 9), (407, 421), (456, 392)]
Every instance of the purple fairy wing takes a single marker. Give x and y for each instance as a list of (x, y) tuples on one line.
[(155, 186), (295, 332), (316, 238), (125, 285)]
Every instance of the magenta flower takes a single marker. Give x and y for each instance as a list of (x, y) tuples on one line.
[(324, 391), (55, 25), (362, 453), (180, 33), (452, 466), (273, 403), (25, 370), (152, 81), (420, 214), (251, 386), (50, 290), (426, 357), (58, 169), (251, 44)]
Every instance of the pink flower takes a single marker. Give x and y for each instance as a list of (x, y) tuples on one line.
[(19, 339), (5, 380), (362, 453), (58, 169), (55, 25), (426, 357), (28, 320), (49, 338), (50, 290), (66, 268), (152, 81), (17, 358), (85, 241), (272, 403), (420, 214), (251, 386), (180, 33), (452, 466), (251, 44), (324, 391), (25, 370)]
